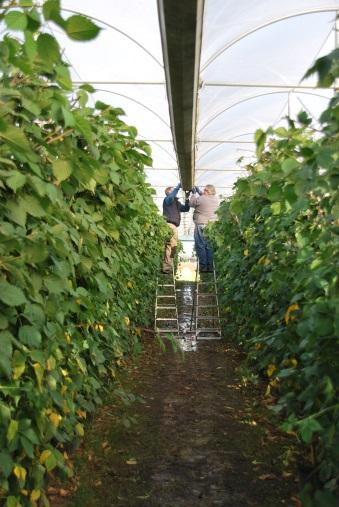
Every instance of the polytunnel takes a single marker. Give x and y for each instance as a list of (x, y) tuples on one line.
[(198, 78), (103, 105)]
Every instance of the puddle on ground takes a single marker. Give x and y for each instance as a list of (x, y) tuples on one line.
[(185, 294)]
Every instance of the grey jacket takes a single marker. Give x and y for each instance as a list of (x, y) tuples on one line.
[(205, 208)]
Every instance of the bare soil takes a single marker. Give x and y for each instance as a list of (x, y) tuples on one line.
[(200, 438)]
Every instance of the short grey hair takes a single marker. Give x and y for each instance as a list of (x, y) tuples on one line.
[(210, 189)]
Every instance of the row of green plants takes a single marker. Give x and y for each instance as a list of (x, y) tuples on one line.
[(80, 245), (277, 253)]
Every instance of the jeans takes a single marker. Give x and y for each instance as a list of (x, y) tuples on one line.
[(203, 248)]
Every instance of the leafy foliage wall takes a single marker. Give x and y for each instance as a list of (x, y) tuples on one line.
[(277, 249), (80, 244)]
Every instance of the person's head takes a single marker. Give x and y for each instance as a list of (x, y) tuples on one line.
[(168, 190), (209, 190)]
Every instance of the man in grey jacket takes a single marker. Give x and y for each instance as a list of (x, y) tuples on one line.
[(205, 205)]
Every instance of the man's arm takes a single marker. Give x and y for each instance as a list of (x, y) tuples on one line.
[(170, 197), (193, 201), (185, 207)]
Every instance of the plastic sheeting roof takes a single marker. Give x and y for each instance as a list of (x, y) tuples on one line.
[(253, 57)]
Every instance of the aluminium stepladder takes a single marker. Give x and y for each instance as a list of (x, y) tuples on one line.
[(166, 310), (207, 312)]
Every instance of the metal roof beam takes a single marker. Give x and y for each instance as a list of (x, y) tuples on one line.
[(181, 32)]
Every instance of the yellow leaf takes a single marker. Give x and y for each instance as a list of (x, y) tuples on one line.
[(131, 461), (264, 260), (129, 285), (81, 413), (80, 429), (35, 495), (12, 430), (50, 363), (63, 389), (39, 373), (44, 456), (18, 371), (55, 419), (68, 337), (246, 252), (126, 320), (66, 408), (271, 369), (20, 473), (291, 309)]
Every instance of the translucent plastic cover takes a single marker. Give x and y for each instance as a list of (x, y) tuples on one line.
[(253, 59)]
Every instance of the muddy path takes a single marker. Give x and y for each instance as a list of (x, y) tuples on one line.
[(197, 437)]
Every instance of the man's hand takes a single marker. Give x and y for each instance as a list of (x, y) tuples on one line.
[(187, 194)]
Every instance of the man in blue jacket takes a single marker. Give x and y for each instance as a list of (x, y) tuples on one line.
[(172, 208)]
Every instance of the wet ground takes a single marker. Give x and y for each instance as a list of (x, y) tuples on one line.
[(197, 437)]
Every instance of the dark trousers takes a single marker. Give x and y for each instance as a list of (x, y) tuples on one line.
[(203, 248)]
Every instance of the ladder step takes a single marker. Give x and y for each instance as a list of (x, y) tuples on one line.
[(165, 285), (165, 296), (165, 318), (166, 307), (169, 330), (208, 330), (206, 306), (208, 337), (208, 317)]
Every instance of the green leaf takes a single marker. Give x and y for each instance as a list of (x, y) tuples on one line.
[(16, 213), (3, 322), (32, 206), (237, 206), (61, 170), (5, 412), (6, 343), (260, 140), (16, 180), (33, 20), (27, 445), (16, 20), (12, 501), (6, 463), (68, 117), (274, 192), (289, 165), (30, 45), (12, 430), (51, 11), (48, 48), (87, 87), (11, 295), (81, 28), (276, 208), (29, 335), (85, 128), (55, 285), (63, 77), (16, 138), (307, 428), (5, 366), (51, 462)]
